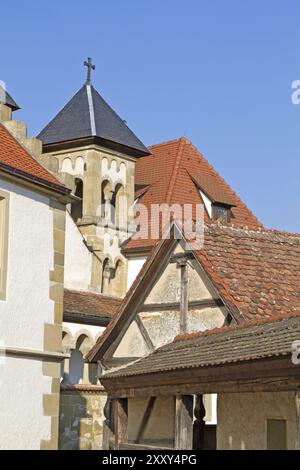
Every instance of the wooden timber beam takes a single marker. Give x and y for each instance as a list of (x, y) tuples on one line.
[(157, 262), (145, 419), (269, 374), (132, 446), (297, 404), (276, 385), (182, 257), (144, 333), (118, 361), (193, 304), (184, 299), (108, 431), (121, 421), (184, 422), (231, 386)]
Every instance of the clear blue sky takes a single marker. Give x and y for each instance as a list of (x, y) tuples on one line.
[(218, 72)]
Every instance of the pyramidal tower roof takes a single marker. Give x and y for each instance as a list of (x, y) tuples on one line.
[(87, 115)]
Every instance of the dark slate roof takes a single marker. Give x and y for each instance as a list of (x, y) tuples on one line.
[(8, 100), (255, 340), (88, 115)]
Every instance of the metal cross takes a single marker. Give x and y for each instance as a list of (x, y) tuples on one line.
[(90, 67)]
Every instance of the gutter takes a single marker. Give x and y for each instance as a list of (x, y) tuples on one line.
[(88, 319), (34, 179)]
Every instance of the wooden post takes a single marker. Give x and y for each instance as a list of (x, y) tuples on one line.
[(184, 422), (184, 300), (199, 424), (107, 425), (121, 421), (297, 404)]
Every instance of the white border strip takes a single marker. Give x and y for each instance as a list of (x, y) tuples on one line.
[(91, 109)]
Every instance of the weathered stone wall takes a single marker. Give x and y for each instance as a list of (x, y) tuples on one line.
[(242, 419), (96, 166), (81, 418)]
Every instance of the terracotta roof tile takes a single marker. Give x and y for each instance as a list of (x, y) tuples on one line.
[(174, 173), (15, 159), (90, 304), (256, 271)]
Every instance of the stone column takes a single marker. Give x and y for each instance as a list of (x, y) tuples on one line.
[(108, 206)]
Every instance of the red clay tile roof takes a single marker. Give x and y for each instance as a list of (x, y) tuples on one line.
[(256, 272), (90, 304), (14, 159), (174, 173), (225, 328)]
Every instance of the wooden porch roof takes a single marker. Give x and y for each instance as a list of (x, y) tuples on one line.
[(231, 358)]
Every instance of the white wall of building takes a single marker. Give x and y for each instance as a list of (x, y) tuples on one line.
[(78, 259), (22, 317), (22, 385), (30, 258), (207, 203), (134, 267)]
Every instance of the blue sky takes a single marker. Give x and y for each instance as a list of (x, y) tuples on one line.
[(217, 72)]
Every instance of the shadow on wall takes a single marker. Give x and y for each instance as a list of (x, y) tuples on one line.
[(74, 421), (81, 418), (81, 413)]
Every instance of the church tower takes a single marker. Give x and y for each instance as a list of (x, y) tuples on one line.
[(92, 150)]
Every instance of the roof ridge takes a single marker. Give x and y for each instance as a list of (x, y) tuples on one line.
[(250, 230), (217, 174), (175, 171), (117, 116), (98, 294), (171, 141), (91, 108), (256, 322)]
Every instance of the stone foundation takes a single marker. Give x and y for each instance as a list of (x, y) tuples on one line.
[(81, 417)]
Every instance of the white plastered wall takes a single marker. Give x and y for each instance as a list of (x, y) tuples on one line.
[(242, 419), (22, 317), (78, 259), (134, 267)]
